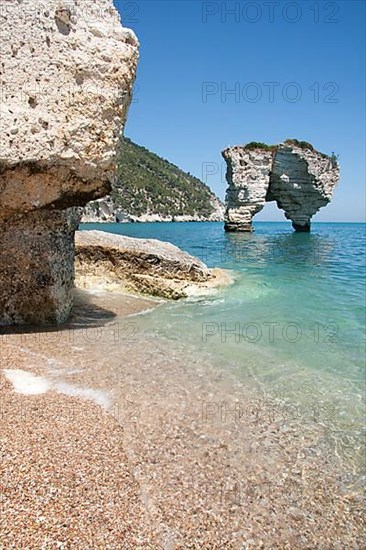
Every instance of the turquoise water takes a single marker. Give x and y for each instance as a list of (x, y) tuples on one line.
[(293, 321)]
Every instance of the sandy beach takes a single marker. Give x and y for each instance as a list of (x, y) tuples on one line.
[(182, 275), (166, 459)]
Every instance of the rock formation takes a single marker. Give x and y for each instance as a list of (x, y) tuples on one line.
[(248, 173), (67, 70), (149, 188), (147, 266), (105, 211), (300, 179)]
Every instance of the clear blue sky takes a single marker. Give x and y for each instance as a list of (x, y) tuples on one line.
[(193, 53)]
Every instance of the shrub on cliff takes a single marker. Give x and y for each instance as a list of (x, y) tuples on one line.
[(301, 144), (260, 145), (147, 183)]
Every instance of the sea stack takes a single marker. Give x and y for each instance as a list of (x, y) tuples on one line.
[(299, 178), (67, 74)]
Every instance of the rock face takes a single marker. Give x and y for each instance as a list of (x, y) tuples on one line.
[(302, 182), (248, 173), (67, 70), (37, 267), (146, 266), (101, 211), (300, 179), (105, 211)]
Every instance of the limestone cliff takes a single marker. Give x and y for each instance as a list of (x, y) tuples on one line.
[(105, 211), (150, 188), (248, 173), (67, 70), (299, 178)]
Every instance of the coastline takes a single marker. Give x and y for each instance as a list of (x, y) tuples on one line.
[(176, 374), (148, 218), (170, 469)]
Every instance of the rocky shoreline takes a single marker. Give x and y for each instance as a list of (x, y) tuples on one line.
[(117, 434), (104, 211), (145, 266)]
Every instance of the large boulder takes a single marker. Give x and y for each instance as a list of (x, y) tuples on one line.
[(146, 266), (300, 179), (67, 71)]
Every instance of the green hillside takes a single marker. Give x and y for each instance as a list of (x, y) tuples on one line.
[(147, 183)]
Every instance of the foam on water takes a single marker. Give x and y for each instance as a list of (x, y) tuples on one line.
[(26, 383)]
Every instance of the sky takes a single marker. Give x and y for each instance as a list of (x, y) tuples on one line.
[(214, 74)]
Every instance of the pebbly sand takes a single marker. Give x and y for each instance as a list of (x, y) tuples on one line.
[(164, 460)]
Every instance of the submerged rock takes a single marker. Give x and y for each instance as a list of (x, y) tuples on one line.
[(300, 180), (147, 266), (67, 75)]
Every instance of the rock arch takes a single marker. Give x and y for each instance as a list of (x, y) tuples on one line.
[(299, 178)]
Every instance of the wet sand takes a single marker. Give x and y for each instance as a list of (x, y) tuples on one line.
[(181, 456)]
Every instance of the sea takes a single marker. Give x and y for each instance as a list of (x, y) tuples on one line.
[(292, 324)]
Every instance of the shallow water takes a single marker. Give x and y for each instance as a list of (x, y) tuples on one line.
[(250, 438), (292, 324)]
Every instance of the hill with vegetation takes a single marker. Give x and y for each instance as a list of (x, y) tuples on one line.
[(150, 188)]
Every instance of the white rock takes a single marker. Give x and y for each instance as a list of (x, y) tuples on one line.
[(67, 71), (67, 79), (300, 179)]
